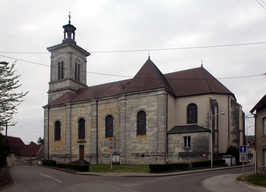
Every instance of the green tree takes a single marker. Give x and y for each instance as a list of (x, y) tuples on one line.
[(32, 143), (9, 100), (234, 151), (40, 141)]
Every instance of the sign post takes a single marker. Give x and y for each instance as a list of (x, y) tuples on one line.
[(111, 145), (243, 157)]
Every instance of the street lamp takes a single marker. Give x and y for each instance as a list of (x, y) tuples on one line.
[(211, 117)]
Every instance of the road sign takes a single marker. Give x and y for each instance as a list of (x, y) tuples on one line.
[(243, 157), (113, 150), (243, 149), (107, 142)]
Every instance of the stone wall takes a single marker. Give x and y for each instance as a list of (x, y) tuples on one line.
[(138, 149), (199, 150)]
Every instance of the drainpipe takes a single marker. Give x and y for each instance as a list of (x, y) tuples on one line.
[(255, 127), (229, 122), (97, 147), (166, 128), (217, 125), (48, 132)]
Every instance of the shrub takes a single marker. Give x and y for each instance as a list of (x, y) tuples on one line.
[(218, 162), (49, 162), (232, 150), (207, 163), (201, 163), (78, 167), (159, 168)]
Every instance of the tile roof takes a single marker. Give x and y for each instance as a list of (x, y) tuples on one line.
[(261, 103), (29, 150), (195, 81), (187, 129), (15, 144), (149, 77)]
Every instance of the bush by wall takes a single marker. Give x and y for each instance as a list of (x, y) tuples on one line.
[(207, 163), (158, 168), (49, 162), (218, 162), (78, 167)]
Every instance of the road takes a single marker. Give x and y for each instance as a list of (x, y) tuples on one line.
[(41, 179)]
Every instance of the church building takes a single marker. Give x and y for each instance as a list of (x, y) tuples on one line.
[(152, 118)]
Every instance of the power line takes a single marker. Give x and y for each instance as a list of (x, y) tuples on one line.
[(25, 61), (114, 75), (181, 48), (159, 49), (261, 4)]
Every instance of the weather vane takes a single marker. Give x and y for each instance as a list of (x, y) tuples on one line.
[(69, 21)]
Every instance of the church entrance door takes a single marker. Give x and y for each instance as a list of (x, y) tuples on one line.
[(81, 152)]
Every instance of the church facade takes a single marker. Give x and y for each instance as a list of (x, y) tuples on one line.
[(151, 118)]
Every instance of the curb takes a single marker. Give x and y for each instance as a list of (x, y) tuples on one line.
[(147, 174)]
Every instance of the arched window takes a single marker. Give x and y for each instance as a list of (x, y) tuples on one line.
[(109, 126), (192, 113), (81, 128), (77, 71), (57, 131), (141, 123), (61, 70)]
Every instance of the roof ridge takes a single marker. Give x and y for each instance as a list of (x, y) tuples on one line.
[(156, 71), (207, 80), (92, 93), (120, 86)]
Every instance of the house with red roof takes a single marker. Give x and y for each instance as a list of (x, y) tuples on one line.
[(181, 116), (21, 154)]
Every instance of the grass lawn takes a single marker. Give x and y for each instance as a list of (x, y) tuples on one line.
[(133, 168), (120, 168), (257, 179)]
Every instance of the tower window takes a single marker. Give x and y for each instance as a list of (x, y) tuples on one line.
[(81, 128), (109, 126), (192, 113), (141, 123), (61, 70), (77, 71), (57, 131)]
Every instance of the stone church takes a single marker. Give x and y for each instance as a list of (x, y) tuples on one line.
[(152, 118)]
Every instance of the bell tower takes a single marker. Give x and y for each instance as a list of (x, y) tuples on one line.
[(68, 65)]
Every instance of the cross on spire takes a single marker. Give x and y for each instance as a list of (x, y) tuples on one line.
[(69, 21)]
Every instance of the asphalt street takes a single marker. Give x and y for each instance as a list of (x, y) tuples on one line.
[(41, 179)]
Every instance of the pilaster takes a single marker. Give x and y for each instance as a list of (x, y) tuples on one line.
[(68, 133), (161, 126), (122, 128), (46, 133), (94, 132)]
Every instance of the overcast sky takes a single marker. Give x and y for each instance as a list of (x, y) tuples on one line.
[(229, 36)]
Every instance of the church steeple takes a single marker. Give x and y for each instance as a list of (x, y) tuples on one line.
[(69, 32), (68, 65)]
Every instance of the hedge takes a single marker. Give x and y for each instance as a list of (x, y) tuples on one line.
[(207, 163), (157, 168), (78, 167), (49, 162)]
